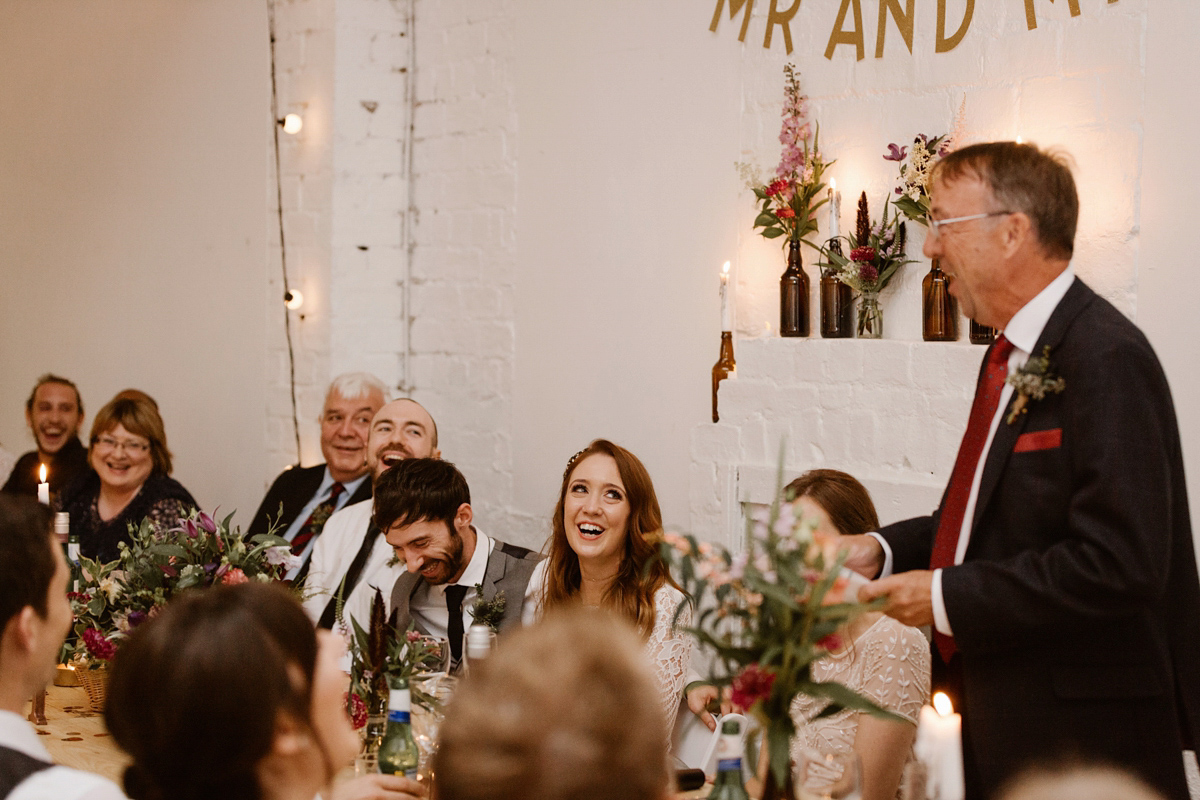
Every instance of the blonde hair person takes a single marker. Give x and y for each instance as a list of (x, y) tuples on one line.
[(564, 709)]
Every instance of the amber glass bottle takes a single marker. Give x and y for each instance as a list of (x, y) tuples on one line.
[(793, 295), (837, 301), (939, 311), (725, 365)]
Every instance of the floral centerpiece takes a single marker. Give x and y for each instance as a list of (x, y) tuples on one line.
[(115, 597), (876, 254), (767, 614), (381, 657)]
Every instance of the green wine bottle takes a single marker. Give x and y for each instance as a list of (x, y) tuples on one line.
[(728, 785), (398, 753), (62, 527)]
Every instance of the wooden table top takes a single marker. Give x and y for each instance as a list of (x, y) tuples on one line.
[(76, 737)]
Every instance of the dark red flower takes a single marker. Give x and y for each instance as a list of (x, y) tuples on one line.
[(867, 273), (776, 187), (357, 710), (98, 646), (752, 684), (785, 213), (863, 253), (832, 642)]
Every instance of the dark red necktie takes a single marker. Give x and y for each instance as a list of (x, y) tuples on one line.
[(983, 410), (316, 520)]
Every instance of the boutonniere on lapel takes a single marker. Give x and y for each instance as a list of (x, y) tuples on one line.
[(1033, 381), (488, 612)]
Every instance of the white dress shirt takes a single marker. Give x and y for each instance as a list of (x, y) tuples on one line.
[(321, 495), (335, 550), (54, 783), (428, 604), (1023, 330)]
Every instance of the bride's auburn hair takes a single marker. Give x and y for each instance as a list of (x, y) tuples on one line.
[(642, 572)]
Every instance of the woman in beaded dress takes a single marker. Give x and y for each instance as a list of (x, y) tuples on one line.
[(880, 658), (602, 552)]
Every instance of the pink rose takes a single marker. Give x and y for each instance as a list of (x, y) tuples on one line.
[(234, 577)]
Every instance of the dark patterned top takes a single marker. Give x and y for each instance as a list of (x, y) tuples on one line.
[(162, 500)]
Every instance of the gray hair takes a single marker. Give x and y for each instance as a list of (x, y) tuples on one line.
[(358, 384)]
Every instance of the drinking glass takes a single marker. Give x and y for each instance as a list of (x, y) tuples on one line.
[(827, 776)]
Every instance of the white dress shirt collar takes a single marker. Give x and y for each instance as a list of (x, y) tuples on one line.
[(477, 568), (17, 734), (1026, 326)]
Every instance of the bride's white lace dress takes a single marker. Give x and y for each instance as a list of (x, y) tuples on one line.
[(888, 663), (669, 649)]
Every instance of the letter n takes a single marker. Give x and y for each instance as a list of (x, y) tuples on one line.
[(904, 21), (734, 7), (839, 36)]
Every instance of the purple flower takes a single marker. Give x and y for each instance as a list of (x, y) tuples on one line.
[(867, 273), (206, 522), (136, 618), (896, 153), (192, 530)]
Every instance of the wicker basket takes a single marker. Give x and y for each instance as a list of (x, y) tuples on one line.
[(95, 683)]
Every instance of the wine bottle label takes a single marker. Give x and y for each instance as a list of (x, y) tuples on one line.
[(73, 552), (729, 765)]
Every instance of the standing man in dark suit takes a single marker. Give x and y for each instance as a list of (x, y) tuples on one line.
[(423, 506), (1058, 571), (301, 499)]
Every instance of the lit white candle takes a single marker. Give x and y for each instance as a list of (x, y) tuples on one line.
[(835, 207), (939, 747), (43, 486), (726, 305)]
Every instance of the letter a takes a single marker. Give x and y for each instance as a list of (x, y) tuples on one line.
[(777, 17), (734, 7), (945, 45), (855, 37), (904, 21)]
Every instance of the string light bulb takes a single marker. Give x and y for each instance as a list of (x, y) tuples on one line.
[(292, 123), (293, 299)]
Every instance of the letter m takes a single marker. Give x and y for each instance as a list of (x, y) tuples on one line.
[(734, 7)]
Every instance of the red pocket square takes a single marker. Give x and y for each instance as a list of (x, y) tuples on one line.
[(1038, 440)]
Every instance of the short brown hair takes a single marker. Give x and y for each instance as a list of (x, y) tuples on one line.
[(139, 416), (564, 709), (845, 500), (1022, 178), (50, 377)]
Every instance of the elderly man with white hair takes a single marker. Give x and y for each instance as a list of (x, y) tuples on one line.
[(302, 499)]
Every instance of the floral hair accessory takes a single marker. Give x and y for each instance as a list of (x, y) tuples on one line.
[(1033, 381)]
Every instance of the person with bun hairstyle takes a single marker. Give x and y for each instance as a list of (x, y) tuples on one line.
[(230, 693)]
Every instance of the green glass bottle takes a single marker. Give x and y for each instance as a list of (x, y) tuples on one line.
[(728, 784), (70, 538), (398, 753)]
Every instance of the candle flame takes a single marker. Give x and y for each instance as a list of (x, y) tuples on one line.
[(725, 269), (833, 184), (42, 474), (942, 704), (1020, 140)]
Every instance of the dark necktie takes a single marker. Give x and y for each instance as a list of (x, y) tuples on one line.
[(352, 577), (316, 520), (983, 410), (454, 628)]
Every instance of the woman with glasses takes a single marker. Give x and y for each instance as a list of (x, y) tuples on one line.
[(129, 479)]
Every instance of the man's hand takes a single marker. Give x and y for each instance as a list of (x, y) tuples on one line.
[(380, 787), (865, 554), (909, 596), (701, 697)]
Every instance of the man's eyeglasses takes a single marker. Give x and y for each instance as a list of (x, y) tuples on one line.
[(936, 225), (128, 445)]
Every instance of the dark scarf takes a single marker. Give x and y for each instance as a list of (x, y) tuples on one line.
[(99, 541)]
